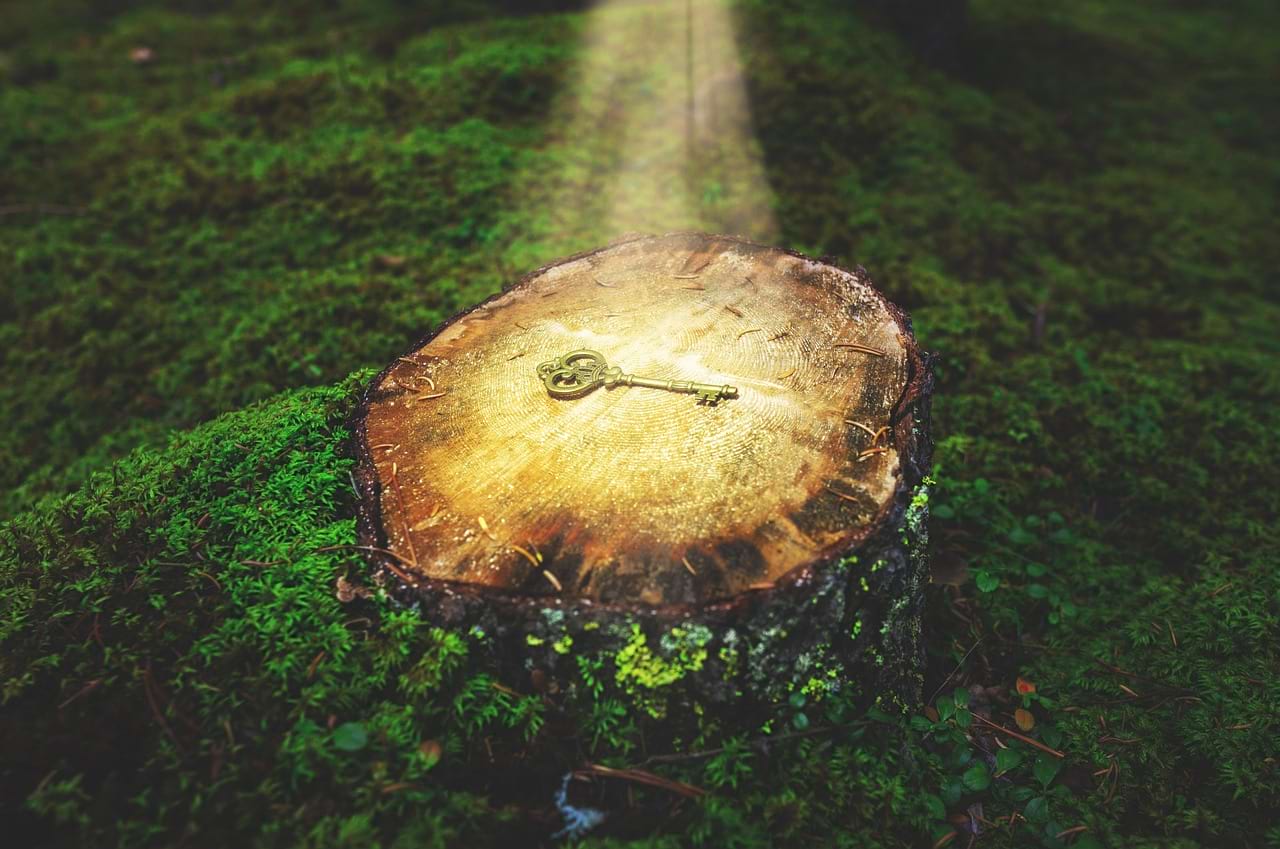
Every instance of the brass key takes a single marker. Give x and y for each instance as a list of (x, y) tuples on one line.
[(578, 372)]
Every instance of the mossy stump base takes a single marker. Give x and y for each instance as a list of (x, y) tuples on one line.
[(633, 538)]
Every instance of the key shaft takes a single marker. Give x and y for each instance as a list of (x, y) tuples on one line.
[(688, 387)]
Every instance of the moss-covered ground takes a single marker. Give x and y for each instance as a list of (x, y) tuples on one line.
[(203, 253)]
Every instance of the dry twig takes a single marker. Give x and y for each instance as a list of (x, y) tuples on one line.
[(1019, 737), (640, 776), (866, 349)]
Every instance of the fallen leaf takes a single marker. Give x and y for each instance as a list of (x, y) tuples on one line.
[(347, 591), (141, 55), (538, 680), (431, 750), (396, 788), (931, 712), (1024, 719)]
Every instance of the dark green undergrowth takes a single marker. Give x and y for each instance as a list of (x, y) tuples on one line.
[(200, 248), (181, 665)]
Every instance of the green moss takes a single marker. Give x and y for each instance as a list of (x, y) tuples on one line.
[(643, 673), (290, 193), (730, 658), (238, 532)]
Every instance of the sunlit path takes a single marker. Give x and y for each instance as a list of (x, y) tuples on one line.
[(653, 132)]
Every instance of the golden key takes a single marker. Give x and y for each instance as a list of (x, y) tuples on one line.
[(578, 372)]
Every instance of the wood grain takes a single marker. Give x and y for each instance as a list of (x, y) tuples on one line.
[(640, 496)]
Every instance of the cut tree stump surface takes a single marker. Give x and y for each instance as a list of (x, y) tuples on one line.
[(476, 479)]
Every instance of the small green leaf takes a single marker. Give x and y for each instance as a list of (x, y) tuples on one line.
[(933, 805), (946, 707), (943, 835), (350, 737), (985, 580), (952, 790), (1051, 736), (921, 723), (1007, 759), (797, 699), (800, 721), (961, 697), (1037, 809), (1036, 570), (1037, 590), (1021, 794), (1018, 536), (877, 715), (1045, 769), (963, 718), (976, 777)]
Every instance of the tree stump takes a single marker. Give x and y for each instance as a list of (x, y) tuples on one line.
[(741, 548)]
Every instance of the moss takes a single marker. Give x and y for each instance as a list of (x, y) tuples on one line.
[(290, 193), (238, 531), (643, 673), (730, 658)]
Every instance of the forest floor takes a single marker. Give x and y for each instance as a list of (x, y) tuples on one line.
[(215, 226)]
